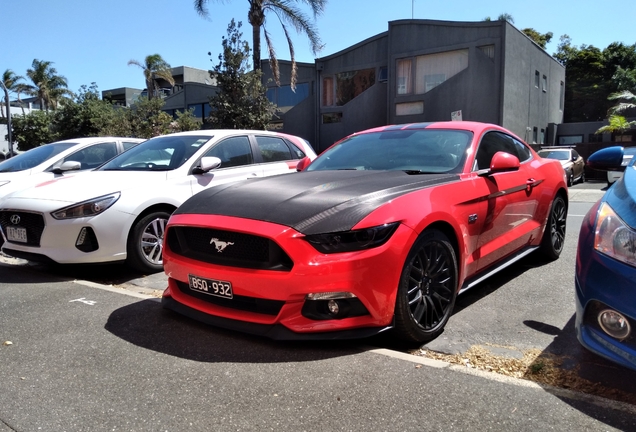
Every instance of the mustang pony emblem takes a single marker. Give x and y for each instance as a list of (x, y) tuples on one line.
[(220, 245)]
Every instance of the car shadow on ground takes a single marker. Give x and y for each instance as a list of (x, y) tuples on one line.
[(148, 325), (584, 371)]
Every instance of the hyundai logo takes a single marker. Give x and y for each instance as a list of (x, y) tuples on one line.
[(15, 219)]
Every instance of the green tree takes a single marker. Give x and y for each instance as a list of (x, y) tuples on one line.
[(185, 121), (241, 102), (617, 124), (147, 120), (154, 66), (49, 87), (288, 14), (33, 129), (541, 39), (87, 115)]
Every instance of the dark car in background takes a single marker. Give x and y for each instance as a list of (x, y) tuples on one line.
[(572, 162), (605, 276)]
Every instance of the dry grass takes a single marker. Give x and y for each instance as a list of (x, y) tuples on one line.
[(534, 366)]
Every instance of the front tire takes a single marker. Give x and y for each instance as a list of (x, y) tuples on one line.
[(145, 243), (554, 233), (427, 289)]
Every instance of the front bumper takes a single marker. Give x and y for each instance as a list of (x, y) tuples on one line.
[(371, 275), (604, 283), (58, 237)]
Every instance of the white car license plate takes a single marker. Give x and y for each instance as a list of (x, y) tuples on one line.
[(211, 286), (17, 234)]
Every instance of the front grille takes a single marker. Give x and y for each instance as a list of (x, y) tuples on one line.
[(228, 248), (244, 303), (32, 222)]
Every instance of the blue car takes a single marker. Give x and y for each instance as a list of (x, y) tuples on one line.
[(606, 266)]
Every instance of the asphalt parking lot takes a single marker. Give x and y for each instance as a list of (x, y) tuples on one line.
[(528, 306)]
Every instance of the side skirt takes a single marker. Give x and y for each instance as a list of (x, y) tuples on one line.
[(469, 283)]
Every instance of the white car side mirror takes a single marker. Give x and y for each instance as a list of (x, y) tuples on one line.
[(209, 163)]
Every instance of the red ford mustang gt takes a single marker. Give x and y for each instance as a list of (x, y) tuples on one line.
[(382, 231)]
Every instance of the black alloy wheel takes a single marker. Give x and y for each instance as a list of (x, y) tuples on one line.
[(554, 234), (428, 288)]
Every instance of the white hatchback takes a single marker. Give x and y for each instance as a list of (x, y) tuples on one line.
[(119, 211), (50, 161)]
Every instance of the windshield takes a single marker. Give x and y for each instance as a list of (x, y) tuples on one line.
[(162, 153), (413, 151), (555, 154), (34, 157)]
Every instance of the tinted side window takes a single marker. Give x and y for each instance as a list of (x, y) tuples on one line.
[(523, 153), (494, 142), (128, 144), (575, 154), (299, 153), (273, 149), (234, 151), (94, 156)]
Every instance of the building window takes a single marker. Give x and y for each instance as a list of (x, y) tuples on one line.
[(404, 77), (383, 74), (410, 108), (197, 110), (593, 137), (536, 79), (534, 135), (562, 96), (433, 69), (542, 137), (489, 50), (335, 117), (351, 84), (570, 139), (545, 84), (327, 91), (623, 138), (284, 96)]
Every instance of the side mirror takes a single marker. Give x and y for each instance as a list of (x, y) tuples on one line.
[(607, 159), (303, 164), (208, 163), (67, 166), (503, 162)]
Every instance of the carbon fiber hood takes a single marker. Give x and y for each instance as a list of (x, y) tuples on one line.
[(310, 202)]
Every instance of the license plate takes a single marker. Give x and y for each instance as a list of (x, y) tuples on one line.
[(17, 234), (210, 286)]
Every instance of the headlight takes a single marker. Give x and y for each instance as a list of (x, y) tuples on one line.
[(349, 241), (87, 208), (613, 237)]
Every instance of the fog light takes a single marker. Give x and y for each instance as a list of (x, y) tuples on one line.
[(81, 237), (333, 307), (614, 324)]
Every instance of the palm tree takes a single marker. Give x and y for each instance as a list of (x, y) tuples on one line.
[(625, 95), (617, 124), (49, 87), (11, 82), (154, 66), (287, 14)]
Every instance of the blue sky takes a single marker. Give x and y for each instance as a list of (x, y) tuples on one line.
[(92, 41)]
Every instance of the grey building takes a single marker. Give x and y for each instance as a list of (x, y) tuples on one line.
[(425, 70)]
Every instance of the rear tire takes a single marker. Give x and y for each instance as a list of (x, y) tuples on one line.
[(145, 243), (427, 289), (554, 233)]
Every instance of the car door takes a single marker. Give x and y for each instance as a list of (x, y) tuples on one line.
[(512, 200), (276, 155), (237, 163)]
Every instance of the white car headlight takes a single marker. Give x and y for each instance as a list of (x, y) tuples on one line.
[(613, 237), (91, 207)]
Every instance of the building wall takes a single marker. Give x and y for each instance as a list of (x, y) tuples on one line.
[(475, 90), (526, 105)]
